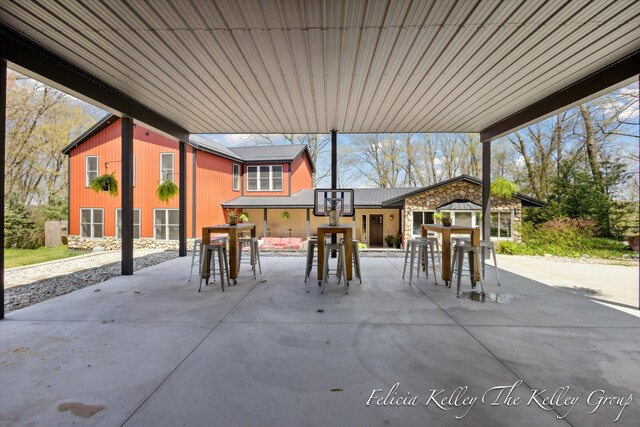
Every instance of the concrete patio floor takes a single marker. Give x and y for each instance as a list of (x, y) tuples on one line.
[(148, 350)]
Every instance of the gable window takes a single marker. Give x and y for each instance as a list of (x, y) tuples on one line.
[(264, 178), (165, 224), (91, 169), (500, 224), (91, 223), (136, 223), (236, 177), (166, 167), (419, 218)]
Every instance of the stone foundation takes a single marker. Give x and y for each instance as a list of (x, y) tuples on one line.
[(112, 243)]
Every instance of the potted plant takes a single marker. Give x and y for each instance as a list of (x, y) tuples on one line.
[(389, 240), (232, 217), (243, 217), (167, 190), (106, 182), (397, 241)]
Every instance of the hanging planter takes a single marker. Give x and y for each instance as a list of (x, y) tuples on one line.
[(285, 215), (106, 182), (166, 191)]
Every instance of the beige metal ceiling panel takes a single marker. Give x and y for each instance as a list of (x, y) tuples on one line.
[(349, 65)]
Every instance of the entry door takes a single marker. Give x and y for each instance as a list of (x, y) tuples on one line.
[(375, 230)]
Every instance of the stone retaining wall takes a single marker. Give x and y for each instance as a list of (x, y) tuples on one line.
[(112, 243)]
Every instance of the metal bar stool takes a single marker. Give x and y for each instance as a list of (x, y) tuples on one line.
[(312, 245), (355, 259), (488, 244), (459, 254), (197, 248), (219, 247), (420, 247), (325, 273), (254, 252), (433, 235), (457, 241)]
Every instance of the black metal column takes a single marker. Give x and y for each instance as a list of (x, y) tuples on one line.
[(193, 195), (127, 196), (486, 190), (3, 115), (334, 174), (182, 212)]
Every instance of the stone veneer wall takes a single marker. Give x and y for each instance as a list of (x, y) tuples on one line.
[(112, 243), (459, 190)]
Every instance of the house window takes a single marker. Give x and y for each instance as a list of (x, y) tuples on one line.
[(236, 177), (165, 224), (166, 167), (419, 218), (91, 222), (136, 223), (264, 178), (91, 169), (500, 224)]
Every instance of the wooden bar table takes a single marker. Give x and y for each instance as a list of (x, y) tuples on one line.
[(345, 230), (232, 231), (446, 233)]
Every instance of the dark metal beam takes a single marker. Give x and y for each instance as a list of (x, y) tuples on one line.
[(56, 71), (127, 196), (194, 169), (182, 212), (599, 83), (486, 190), (3, 115), (334, 159)]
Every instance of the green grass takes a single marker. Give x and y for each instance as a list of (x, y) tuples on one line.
[(20, 257), (594, 247)]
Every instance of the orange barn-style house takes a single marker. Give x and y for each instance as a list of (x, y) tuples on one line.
[(215, 174)]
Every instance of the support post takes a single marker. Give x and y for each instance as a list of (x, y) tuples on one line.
[(193, 196), (264, 219), (182, 210), (127, 195), (334, 175), (308, 223), (3, 115), (486, 190)]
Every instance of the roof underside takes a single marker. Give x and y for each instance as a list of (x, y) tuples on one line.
[(277, 66)]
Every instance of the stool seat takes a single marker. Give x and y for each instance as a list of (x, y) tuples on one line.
[(339, 247), (420, 246), (254, 252)]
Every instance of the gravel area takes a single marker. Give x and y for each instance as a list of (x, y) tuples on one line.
[(33, 284)]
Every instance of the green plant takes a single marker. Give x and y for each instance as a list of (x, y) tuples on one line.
[(244, 216), (362, 245), (106, 182), (507, 247), (397, 241), (389, 240), (167, 190), (503, 188), (284, 215), (438, 216)]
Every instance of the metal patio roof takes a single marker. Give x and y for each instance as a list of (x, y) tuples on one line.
[(277, 66)]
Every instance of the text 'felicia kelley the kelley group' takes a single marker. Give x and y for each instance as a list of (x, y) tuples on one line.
[(461, 401)]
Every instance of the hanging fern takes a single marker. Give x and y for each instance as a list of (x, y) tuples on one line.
[(503, 188), (166, 191), (106, 182), (285, 215)]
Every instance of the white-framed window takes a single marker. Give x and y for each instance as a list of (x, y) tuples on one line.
[(91, 222), (419, 218), (166, 167), (236, 177), (264, 178), (91, 169), (501, 225), (136, 223), (165, 224)]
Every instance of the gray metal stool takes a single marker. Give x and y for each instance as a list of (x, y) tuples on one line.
[(325, 272), (457, 241), (197, 248), (459, 254), (220, 248), (434, 236), (254, 252), (488, 244), (355, 258), (420, 246), (312, 244)]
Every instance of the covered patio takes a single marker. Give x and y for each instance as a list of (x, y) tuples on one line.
[(150, 350)]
